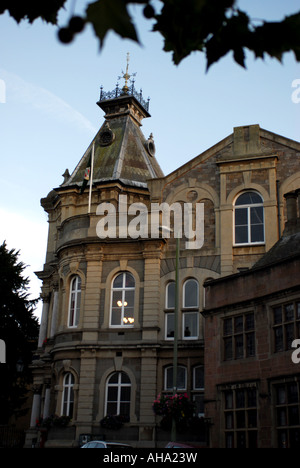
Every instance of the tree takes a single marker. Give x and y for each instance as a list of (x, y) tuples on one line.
[(213, 28), (19, 331)]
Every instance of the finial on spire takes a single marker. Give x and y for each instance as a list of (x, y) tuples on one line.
[(126, 75)]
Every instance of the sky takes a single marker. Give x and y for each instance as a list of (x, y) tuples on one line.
[(48, 111)]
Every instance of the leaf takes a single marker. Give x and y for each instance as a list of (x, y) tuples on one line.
[(31, 9), (108, 15)]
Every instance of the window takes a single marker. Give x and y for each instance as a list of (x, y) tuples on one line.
[(286, 325), (170, 295), (240, 417), (170, 326), (190, 294), (190, 325), (122, 302), (118, 394), (249, 219), (189, 312), (239, 337), (181, 378), (287, 411), (74, 304), (68, 395), (198, 390)]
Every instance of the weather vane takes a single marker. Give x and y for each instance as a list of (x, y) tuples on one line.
[(126, 76)]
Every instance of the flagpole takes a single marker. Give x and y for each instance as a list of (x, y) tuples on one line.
[(91, 178)]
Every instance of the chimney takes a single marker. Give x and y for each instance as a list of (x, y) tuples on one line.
[(292, 225)]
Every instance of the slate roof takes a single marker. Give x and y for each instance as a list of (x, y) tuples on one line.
[(121, 153)]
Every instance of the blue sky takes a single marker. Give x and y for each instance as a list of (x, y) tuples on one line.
[(48, 111)]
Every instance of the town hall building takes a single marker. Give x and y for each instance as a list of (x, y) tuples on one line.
[(113, 306)]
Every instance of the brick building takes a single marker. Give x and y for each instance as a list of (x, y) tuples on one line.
[(107, 328), (252, 382)]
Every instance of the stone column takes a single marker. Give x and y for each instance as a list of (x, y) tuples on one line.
[(46, 411), (86, 391), (36, 406), (54, 311), (44, 320)]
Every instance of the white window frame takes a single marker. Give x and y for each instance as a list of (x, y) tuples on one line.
[(167, 316), (77, 300), (118, 385), (248, 207), (166, 298), (123, 290), (184, 316), (195, 306), (68, 394), (170, 368)]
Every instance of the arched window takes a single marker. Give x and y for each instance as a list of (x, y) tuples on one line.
[(74, 303), (118, 393), (181, 378), (170, 295), (122, 300), (190, 293), (190, 313), (67, 406), (249, 219)]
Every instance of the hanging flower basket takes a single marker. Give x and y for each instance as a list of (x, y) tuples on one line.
[(114, 421), (178, 407)]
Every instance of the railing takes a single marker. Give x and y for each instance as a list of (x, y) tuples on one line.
[(125, 91)]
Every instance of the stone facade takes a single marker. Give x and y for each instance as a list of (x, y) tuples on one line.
[(89, 362), (252, 386)]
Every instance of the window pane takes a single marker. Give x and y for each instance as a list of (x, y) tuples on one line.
[(125, 394), (117, 299), (129, 298), (289, 312), (257, 215), (125, 408), (229, 399), (249, 325), (118, 282), (292, 393), (181, 378), (112, 394), (170, 300), (191, 293), (116, 316), (241, 216), (240, 399), (227, 328), (190, 325), (111, 408), (241, 234), (124, 378), (239, 346), (251, 393), (198, 378), (170, 325), (238, 324), (249, 198), (129, 281), (257, 233)]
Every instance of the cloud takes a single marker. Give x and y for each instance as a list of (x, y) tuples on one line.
[(29, 236), (21, 91)]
